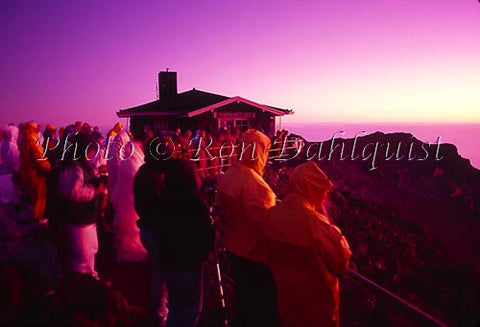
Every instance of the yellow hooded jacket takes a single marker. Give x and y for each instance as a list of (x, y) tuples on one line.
[(305, 252), (34, 167), (245, 197)]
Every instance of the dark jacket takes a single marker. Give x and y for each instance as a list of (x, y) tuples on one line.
[(148, 186), (176, 211)]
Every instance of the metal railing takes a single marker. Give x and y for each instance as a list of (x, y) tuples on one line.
[(413, 310), (197, 154), (409, 309)]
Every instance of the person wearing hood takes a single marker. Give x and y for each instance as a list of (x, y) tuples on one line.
[(126, 237), (50, 143), (77, 191), (120, 149), (34, 168), (9, 151), (245, 198), (305, 252), (115, 130)]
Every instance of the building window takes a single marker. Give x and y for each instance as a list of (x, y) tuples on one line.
[(229, 124), (243, 124)]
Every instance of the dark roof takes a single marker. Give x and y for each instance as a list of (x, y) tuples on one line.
[(180, 104)]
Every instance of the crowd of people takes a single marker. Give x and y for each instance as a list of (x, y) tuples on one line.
[(70, 177)]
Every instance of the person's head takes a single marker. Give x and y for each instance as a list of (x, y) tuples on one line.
[(86, 128), (182, 178), (50, 131), (69, 131), (96, 135), (117, 127), (78, 126), (254, 150), (159, 150), (61, 130), (84, 147), (310, 183), (30, 131), (31, 128)]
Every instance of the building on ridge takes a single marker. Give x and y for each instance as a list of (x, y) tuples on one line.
[(197, 109)]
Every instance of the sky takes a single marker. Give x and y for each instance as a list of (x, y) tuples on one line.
[(328, 60)]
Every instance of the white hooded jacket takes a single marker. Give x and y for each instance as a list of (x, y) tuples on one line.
[(9, 151)]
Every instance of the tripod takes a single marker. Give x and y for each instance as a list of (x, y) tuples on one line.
[(211, 193)]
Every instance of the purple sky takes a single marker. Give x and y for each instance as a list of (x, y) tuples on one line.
[(330, 61)]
